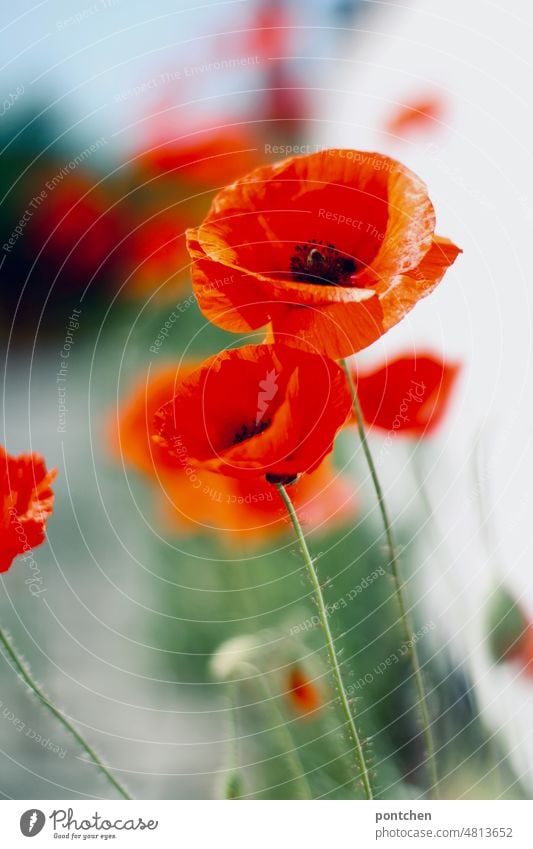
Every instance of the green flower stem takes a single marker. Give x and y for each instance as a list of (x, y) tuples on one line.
[(399, 588), (353, 734), (26, 677), (292, 759)]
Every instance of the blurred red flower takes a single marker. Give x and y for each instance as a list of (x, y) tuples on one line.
[(129, 427), (285, 410), (251, 511), (270, 31), (409, 395), (207, 157), (302, 692), (155, 257), (195, 499), (332, 249), (27, 502)]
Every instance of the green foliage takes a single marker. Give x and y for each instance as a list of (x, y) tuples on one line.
[(506, 624)]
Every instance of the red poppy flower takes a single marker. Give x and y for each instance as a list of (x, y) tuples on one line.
[(332, 249), (409, 395), (510, 631), (129, 428), (303, 693), (420, 114), (27, 502), (76, 225), (195, 500), (270, 32), (285, 410)]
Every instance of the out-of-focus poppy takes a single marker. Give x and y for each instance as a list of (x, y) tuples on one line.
[(207, 157), (251, 511), (423, 113), (286, 408), (269, 32), (303, 694), (194, 500), (332, 249), (167, 171), (155, 258), (27, 502), (409, 394), (71, 247), (77, 229)]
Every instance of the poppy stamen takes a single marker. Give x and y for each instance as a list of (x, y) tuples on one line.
[(247, 431), (324, 264)]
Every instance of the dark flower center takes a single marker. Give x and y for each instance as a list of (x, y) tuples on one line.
[(247, 431), (315, 262)]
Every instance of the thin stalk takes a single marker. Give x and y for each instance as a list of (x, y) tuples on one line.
[(26, 677), (399, 589), (232, 783), (323, 616)]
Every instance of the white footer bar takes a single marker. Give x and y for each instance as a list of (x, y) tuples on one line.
[(267, 825)]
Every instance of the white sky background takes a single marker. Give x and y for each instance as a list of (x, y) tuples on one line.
[(477, 54), (89, 52)]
